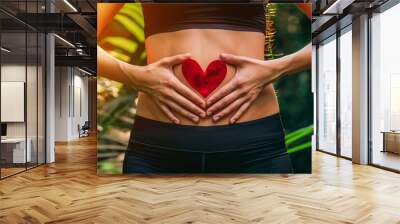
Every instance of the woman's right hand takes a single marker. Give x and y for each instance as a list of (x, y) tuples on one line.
[(159, 81)]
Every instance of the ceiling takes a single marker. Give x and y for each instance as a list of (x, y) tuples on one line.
[(332, 15), (75, 21), (72, 20)]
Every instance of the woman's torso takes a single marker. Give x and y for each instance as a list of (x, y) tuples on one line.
[(205, 45)]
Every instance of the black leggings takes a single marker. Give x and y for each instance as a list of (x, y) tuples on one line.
[(256, 146)]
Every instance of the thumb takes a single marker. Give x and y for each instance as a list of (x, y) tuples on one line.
[(231, 59), (176, 59)]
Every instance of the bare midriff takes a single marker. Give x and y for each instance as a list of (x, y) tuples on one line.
[(204, 46)]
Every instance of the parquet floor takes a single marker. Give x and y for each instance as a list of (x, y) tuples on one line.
[(69, 191), (9, 171)]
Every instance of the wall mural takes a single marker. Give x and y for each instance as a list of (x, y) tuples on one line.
[(135, 133)]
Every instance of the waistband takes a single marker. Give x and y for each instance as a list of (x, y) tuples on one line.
[(207, 138)]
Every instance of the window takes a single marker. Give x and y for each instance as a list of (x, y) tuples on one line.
[(327, 95), (345, 94), (385, 89)]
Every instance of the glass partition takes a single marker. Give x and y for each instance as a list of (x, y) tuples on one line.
[(22, 88), (385, 89), (32, 97), (346, 92), (14, 153), (327, 95)]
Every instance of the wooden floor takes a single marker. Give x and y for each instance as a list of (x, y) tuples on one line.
[(10, 171), (387, 159), (69, 191)]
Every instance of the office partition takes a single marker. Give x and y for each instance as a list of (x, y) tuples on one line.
[(22, 89)]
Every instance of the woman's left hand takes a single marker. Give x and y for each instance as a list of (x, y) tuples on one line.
[(237, 95)]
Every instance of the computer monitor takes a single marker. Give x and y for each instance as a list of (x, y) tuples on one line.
[(3, 129)]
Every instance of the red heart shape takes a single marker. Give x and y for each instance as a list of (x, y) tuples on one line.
[(204, 82)]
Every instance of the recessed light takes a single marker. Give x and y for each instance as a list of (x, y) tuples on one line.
[(84, 71), (64, 40), (5, 50), (70, 5)]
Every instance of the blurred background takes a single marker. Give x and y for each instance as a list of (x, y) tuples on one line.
[(287, 30)]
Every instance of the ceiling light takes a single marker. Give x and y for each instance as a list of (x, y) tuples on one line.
[(5, 50), (70, 5), (84, 71), (65, 41), (333, 6), (79, 51), (337, 7)]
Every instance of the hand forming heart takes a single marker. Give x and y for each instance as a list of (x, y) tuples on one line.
[(238, 94), (243, 89)]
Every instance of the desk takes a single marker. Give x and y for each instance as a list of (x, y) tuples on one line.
[(391, 141), (16, 147)]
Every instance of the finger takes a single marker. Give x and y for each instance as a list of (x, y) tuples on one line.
[(176, 59), (223, 91), (169, 114), (224, 102), (187, 104), (241, 110), (176, 107), (229, 109), (186, 92), (231, 59)]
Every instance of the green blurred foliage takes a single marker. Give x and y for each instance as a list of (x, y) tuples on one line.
[(294, 91), (117, 103)]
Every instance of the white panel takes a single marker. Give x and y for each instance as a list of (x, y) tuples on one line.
[(12, 101)]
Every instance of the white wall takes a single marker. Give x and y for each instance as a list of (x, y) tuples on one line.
[(81, 102), (61, 103), (71, 93)]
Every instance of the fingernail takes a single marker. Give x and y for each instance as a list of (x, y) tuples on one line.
[(209, 113), (195, 119), (233, 120), (176, 121), (216, 118), (203, 115)]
